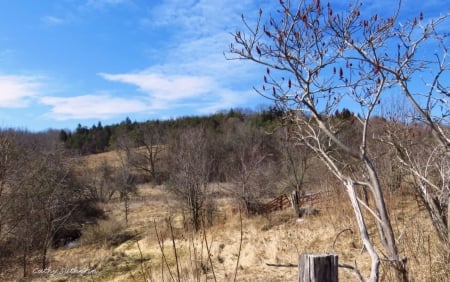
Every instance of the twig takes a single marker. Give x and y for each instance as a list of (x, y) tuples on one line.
[(240, 246), (174, 249), (91, 274), (161, 247), (282, 265), (429, 258), (374, 214), (339, 234), (193, 255), (353, 270), (142, 259), (131, 273), (401, 234), (208, 252)]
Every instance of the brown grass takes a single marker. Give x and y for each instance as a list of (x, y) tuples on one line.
[(275, 239)]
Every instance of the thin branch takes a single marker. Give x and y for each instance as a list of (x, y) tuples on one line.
[(161, 248), (339, 234), (240, 246), (353, 270)]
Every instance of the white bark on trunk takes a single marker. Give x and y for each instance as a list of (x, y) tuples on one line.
[(375, 264)]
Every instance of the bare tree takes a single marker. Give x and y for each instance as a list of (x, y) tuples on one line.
[(319, 60), (190, 164), (422, 157), (8, 153), (9, 221), (426, 100), (248, 165), (295, 162), (99, 181), (45, 199), (56, 199), (40, 198), (19, 216), (150, 142), (124, 180)]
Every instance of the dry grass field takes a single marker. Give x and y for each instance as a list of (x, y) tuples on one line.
[(144, 250), (158, 245)]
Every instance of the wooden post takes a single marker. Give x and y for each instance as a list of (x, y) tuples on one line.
[(318, 268)]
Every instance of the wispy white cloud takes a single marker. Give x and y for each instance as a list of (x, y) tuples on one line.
[(192, 75), (51, 20), (164, 90), (17, 91), (94, 106), (201, 94), (103, 3), (200, 16), (225, 99), (194, 72)]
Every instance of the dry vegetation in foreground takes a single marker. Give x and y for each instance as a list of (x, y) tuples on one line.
[(144, 251)]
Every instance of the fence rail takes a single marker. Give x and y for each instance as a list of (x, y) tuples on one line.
[(284, 201)]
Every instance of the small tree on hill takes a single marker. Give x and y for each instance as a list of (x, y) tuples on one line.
[(150, 140), (124, 180), (249, 165), (295, 163), (190, 163)]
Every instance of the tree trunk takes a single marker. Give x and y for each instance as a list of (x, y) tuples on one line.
[(437, 216), (25, 259), (44, 258), (448, 219), (387, 236), (375, 260), (127, 209), (295, 203)]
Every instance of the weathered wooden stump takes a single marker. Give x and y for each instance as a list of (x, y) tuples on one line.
[(318, 268)]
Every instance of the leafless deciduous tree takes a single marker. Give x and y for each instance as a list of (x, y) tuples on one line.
[(190, 165), (8, 222), (295, 162), (319, 60), (98, 181), (44, 198), (249, 165), (124, 179), (147, 157), (423, 158), (421, 80)]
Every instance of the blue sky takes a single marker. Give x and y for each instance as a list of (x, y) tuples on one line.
[(64, 62)]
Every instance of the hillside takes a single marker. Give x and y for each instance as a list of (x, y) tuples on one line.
[(131, 213)]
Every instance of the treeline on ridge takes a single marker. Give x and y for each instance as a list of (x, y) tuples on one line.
[(99, 138)]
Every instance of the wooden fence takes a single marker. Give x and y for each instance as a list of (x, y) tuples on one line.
[(279, 203), (284, 201)]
